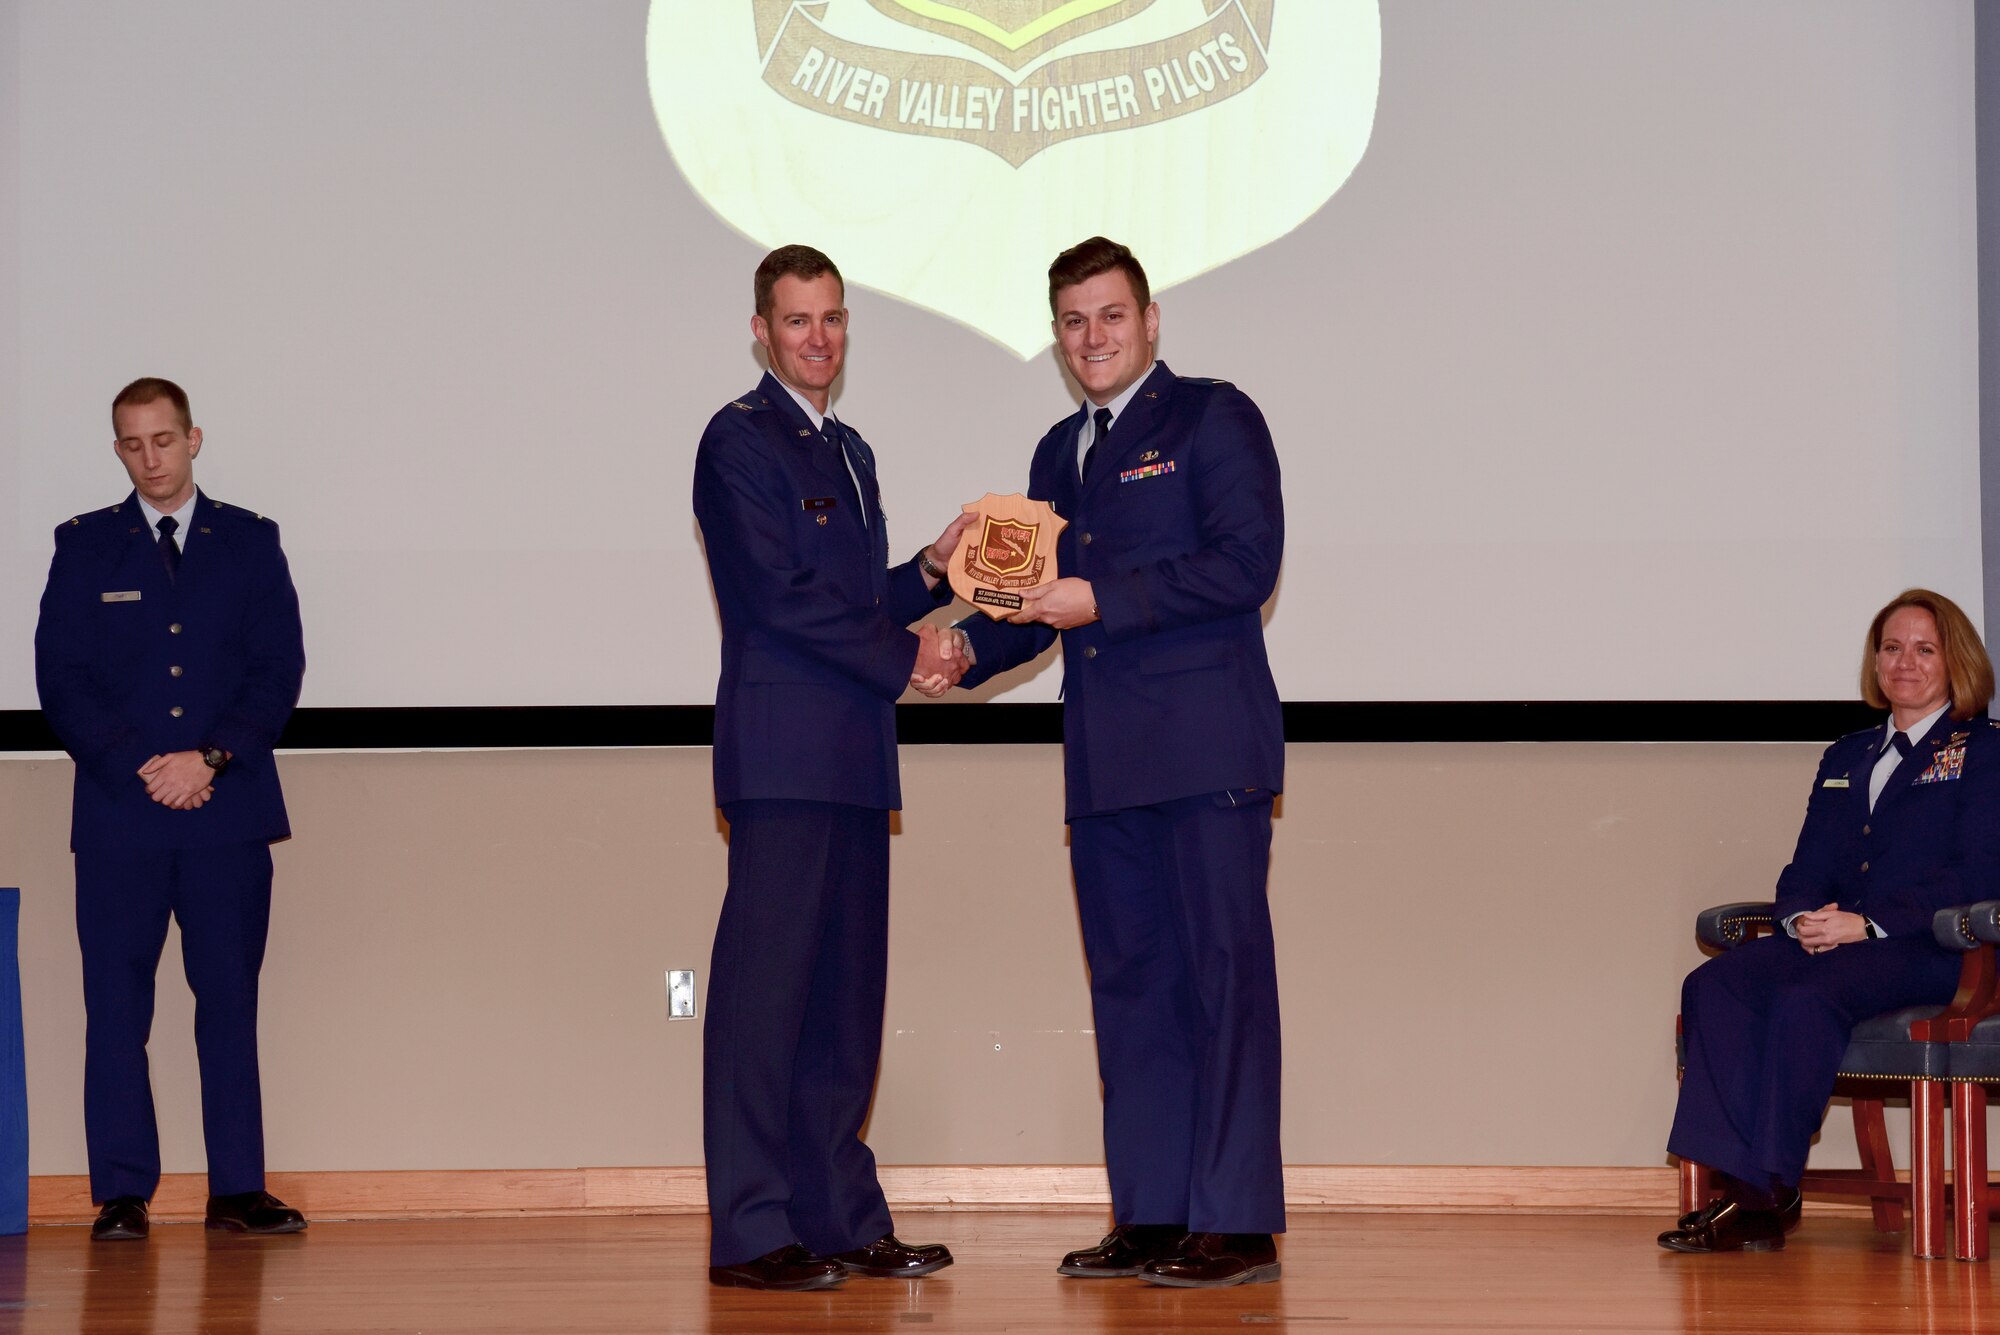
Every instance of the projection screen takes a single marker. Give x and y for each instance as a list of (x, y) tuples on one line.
[(1614, 350)]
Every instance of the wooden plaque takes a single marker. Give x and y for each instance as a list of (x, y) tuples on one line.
[(1010, 546)]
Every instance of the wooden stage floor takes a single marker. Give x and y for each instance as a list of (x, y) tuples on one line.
[(1343, 1272)]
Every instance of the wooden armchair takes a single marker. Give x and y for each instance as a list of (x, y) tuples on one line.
[(1902, 1053), (1973, 1039)]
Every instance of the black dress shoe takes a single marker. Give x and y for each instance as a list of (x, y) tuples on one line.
[(1217, 1260), (1124, 1251), (1726, 1226), (790, 1269), (252, 1212), (1789, 1211), (122, 1219), (890, 1258)]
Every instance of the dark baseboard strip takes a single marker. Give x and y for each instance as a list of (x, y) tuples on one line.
[(588, 726)]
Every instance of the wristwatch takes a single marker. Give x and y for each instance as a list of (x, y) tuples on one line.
[(928, 566), (215, 758)]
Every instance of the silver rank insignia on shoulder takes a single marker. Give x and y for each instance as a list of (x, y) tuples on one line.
[(738, 403)]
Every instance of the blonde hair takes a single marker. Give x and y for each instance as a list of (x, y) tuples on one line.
[(1968, 671)]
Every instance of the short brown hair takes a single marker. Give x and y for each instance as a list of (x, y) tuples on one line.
[(1087, 259), (147, 389), (1967, 669), (801, 262)]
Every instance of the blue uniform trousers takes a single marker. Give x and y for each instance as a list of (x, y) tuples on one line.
[(794, 1030), (221, 897), (1764, 1027), (1184, 988)]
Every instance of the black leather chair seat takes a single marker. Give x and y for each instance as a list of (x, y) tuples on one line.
[(1881, 1046), (1978, 1058)]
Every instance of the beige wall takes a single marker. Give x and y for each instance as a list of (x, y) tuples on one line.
[(1479, 947)]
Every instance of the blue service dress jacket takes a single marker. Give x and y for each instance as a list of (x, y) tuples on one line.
[(1765, 1025), (1180, 532), (131, 664), (1931, 842), (815, 649)]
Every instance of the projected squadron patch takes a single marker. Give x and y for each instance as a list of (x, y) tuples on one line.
[(1216, 125)]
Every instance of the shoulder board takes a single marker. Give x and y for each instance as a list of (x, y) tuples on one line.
[(738, 403), (1875, 731), (87, 516), (1201, 380)]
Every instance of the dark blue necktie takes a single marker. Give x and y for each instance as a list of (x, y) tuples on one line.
[(835, 437), (1901, 741), (170, 551), (1102, 419)]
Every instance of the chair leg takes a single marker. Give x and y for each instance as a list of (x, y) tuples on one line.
[(1697, 1185), (1927, 1209), (1968, 1170), (1871, 1140)]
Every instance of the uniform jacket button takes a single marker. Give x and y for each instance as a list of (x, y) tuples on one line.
[(174, 671), (1086, 540), (1864, 866), (1090, 651), (1867, 830), (176, 711), (174, 629)]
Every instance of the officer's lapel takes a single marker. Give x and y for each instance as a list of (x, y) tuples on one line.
[(1910, 766), (864, 477), (139, 563), (1131, 428), (198, 543)]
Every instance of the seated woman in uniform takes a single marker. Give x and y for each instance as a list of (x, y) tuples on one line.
[(1903, 820)]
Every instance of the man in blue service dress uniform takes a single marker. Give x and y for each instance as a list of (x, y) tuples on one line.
[(1173, 747), (168, 657), (814, 654)]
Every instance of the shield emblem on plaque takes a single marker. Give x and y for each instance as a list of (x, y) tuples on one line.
[(1010, 549), (1007, 545)]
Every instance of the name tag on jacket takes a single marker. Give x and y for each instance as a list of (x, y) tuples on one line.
[(126, 596), (1834, 783)]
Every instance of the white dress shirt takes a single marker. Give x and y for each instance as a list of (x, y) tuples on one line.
[(1087, 436), (184, 515)]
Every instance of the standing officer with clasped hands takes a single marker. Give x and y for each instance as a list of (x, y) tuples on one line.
[(168, 657)]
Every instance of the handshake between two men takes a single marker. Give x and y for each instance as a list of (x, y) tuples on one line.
[(944, 654)]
